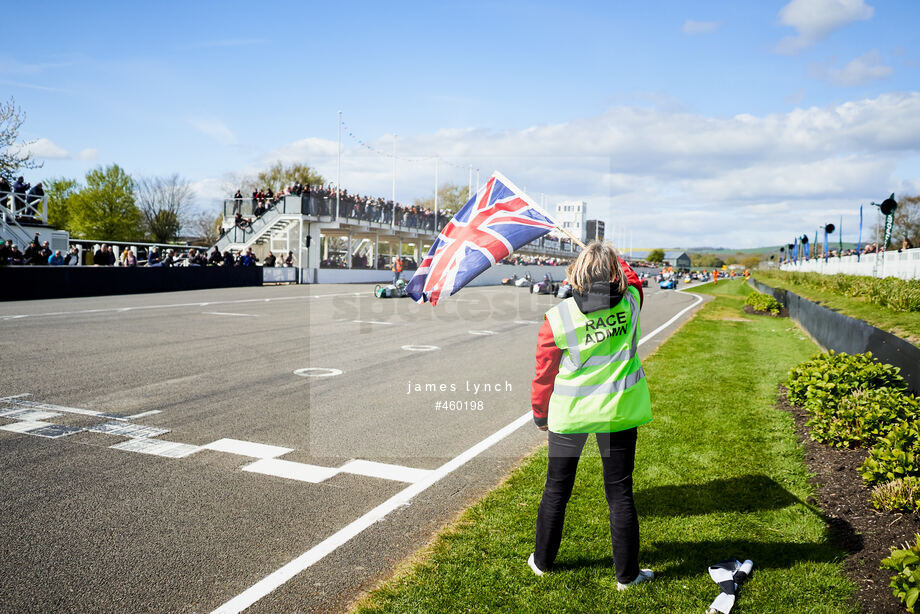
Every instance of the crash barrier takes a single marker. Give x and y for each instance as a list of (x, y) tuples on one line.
[(904, 264), (841, 333), (490, 277), (43, 282), (278, 275)]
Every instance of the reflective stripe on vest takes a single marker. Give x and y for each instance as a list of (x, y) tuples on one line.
[(612, 387), (571, 361)]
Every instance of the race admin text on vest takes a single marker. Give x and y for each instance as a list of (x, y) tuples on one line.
[(611, 326)]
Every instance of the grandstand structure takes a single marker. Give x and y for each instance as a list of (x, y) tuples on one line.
[(326, 242), (22, 216)]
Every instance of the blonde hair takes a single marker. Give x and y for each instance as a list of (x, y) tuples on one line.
[(597, 262)]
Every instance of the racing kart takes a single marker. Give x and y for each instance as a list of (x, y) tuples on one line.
[(668, 284), (547, 286), (565, 289), (509, 281), (397, 290), (524, 282)]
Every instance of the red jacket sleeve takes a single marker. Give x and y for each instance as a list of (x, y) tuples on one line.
[(633, 280), (548, 357)]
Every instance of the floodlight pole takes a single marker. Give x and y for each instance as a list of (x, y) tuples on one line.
[(338, 174), (393, 213), (437, 163)]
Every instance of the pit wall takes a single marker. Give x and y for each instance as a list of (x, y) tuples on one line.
[(835, 331)]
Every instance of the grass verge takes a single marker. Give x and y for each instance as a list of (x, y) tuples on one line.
[(718, 475), (905, 324)]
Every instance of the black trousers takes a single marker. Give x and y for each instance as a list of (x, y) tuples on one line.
[(618, 456)]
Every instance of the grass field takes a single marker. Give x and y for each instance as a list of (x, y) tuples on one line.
[(904, 324), (718, 475)]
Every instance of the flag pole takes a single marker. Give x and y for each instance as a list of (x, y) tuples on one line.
[(540, 209)]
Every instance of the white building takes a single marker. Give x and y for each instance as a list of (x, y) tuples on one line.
[(571, 216)]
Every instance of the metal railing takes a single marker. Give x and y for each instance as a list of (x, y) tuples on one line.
[(24, 205)]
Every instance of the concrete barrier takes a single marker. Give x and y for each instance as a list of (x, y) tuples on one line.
[(835, 331), (43, 282), (904, 264)]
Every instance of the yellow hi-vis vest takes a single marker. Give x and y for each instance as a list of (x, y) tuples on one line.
[(601, 387)]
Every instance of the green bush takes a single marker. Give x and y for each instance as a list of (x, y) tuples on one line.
[(898, 495), (890, 292), (895, 456), (826, 378), (906, 579), (763, 302), (863, 417)]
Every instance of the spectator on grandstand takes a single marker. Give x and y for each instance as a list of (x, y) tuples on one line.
[(5, 190), (153, 256), (170, 259), (269, 260), (228, 259), (906, 244), (215, 258), (5, 249), (196, 258), (247, 258), (128, 258), (101, 256), (33, 253), (20, 187), (36, 192), (16, 256), (44, 253), (56, 259), (289, 259), (73, 257)]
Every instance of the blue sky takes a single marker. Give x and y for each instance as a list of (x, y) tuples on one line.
[(669, 118)]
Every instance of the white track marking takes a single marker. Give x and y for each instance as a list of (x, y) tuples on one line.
[(699, 299), (227, 313), (370, 322), (291, 470), (55, 431), (266, 585), (66, 410), (28, 415), (482, 332), (527, 322), (144, 414), (157, 447), (317, 372), (278, 577), (123, 429), (247, 448), (384, 471), (420, 348), (25, 427), (15, 396)]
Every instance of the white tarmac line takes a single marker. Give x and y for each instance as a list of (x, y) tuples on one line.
[(144, 414), (227, 313), (247, 448), (278, 577)]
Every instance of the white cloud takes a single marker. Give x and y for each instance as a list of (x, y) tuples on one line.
[(87, 154), (692, 26), (215, 129), (815, 19), (46, 149), (674, 178), (859, 71)]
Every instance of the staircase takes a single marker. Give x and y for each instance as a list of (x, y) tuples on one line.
[(261, 231), (10, 228)]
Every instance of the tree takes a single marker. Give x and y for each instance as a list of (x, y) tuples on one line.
[(705, 260), (105, 208), (907, 220), (164, 203), (205, 227), (656, 255), (13, 156), (450, 196), (60, 192), (278, 176), (751, 262)]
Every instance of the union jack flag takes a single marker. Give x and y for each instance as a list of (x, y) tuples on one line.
[(497, 220)]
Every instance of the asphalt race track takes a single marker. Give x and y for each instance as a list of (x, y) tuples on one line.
[(168, 452)]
